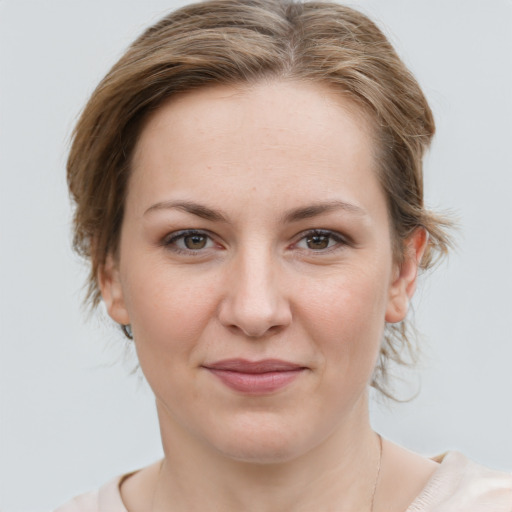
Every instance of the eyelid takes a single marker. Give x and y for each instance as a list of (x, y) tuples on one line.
[(169, 240), (341, 240)]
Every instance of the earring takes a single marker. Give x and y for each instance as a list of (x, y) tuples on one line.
[(127, 331)]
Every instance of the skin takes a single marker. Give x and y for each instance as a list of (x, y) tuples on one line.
[(256, 285)]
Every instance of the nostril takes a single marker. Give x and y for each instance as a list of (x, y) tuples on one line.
[(254, 305), (255, 330)]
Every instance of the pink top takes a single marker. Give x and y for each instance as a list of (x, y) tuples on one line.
[(457, 485)]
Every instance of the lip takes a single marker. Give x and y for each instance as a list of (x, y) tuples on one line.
[(255, 377)]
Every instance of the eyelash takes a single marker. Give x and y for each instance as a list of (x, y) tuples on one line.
[(340, 241), (170, 241)]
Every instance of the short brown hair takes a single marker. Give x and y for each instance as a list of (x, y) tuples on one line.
[(242, 41)]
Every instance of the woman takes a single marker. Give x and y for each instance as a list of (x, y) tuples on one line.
[(248, 187)]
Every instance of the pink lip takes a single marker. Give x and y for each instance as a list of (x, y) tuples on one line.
[(255, 377)]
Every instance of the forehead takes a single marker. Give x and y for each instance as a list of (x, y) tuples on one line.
[(301, 137)]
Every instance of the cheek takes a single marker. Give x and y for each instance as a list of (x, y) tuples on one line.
[(345, 315), (168, 311)]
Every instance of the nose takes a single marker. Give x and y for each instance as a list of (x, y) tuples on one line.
[(254, 303)]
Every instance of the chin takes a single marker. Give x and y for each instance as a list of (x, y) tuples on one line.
[(262, 441), (260, 452)]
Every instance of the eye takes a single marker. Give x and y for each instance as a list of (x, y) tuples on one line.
[(188, 241), (195, 242), (318, 240)]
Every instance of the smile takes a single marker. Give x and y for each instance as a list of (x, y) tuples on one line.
[(255, 377)]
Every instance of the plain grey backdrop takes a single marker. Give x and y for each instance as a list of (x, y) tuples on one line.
[(71, 418)]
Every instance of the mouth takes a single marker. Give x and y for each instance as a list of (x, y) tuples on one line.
[(255, 377)]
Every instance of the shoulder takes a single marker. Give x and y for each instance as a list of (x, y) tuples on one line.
[(87, 502), (460, 484), (108, 497), (105, 499)]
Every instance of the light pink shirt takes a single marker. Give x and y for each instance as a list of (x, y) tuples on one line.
[(458, 485)]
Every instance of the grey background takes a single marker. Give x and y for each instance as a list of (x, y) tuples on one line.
[(70, 416)]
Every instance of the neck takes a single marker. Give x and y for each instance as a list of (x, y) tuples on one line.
[(337, 474)]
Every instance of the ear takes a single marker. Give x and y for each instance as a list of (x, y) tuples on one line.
[(112, 292), (404, 284)]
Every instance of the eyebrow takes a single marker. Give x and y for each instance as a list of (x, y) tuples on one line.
[(320, 208), (294, 215), (190, 207)]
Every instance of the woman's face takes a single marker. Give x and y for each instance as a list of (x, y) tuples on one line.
[(256, 231)]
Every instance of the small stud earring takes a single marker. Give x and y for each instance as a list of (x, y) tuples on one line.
[(127, 331)]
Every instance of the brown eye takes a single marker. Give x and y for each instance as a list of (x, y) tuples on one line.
[(189, 242), (321, 241), (195, 242), (318, 242)]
